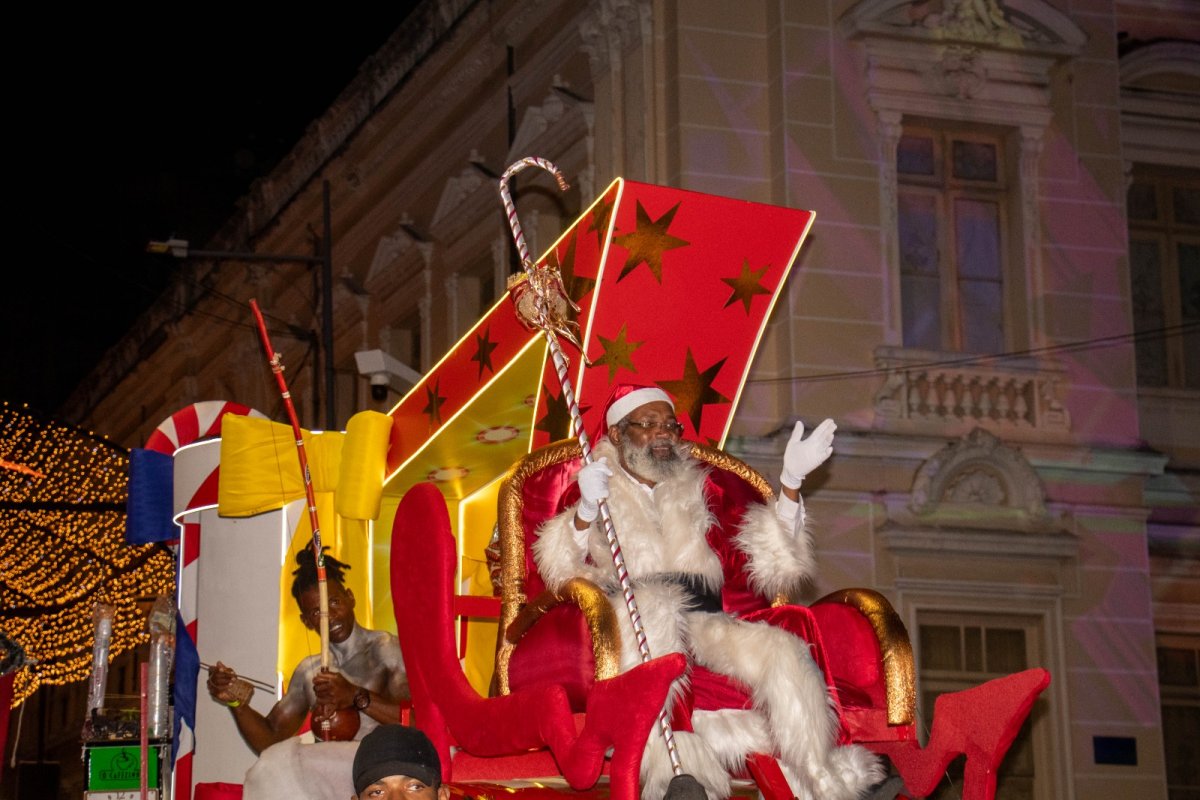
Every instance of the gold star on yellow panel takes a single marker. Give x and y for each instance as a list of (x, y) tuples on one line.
[(434, 405), (557, 421), (618, 352), (601, 216), (483, 351), (694, 390), (746, 285), (648, 242)]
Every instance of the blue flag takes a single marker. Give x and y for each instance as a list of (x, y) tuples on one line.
[(187, 673), (151, 496)]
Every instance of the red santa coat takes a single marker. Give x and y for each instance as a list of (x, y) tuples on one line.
[(712, 527)]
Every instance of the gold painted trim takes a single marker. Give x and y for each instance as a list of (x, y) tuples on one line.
[(894, 646), (599, 613), (512, 541), (722, 460)]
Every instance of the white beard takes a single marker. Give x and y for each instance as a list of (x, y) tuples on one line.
[(641, 461)]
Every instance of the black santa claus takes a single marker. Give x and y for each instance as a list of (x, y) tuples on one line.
[(679, 532)]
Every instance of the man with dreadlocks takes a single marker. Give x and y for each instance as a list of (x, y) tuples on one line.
[(366, 673)]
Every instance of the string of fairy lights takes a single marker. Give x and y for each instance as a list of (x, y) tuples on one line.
[(62, 548)]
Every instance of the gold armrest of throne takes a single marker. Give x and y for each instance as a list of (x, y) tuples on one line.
[(597, 613), (895, 649), (517, 613)]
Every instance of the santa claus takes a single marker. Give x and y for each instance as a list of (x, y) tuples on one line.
[(679, 532)]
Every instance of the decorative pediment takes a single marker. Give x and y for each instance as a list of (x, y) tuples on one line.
[(1006, 24), (1162, 66), (1160, 104), (556, 126), (393, 246), (981, 60), (979, 482), (539, 119), (458, 189)]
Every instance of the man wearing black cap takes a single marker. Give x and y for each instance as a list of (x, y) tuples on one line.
[(397, 763)]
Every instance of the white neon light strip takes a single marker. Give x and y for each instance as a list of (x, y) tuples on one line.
[(533, 342), (762, 327)]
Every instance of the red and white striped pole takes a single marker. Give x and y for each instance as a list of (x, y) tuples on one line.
[(276, 361), (548, 326)]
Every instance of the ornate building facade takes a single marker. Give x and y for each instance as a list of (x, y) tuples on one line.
[(998, 302)]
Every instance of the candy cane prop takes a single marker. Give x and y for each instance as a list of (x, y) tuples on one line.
[(548, 313), (276, 361)]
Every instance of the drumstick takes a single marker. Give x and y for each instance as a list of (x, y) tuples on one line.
[(270, 687)]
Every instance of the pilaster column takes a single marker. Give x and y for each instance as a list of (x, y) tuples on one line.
[(1031, 231), (890, 130)]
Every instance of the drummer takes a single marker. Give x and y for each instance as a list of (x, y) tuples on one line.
[(366, 676)]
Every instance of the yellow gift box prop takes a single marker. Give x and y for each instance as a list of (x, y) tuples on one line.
[(260, 472)]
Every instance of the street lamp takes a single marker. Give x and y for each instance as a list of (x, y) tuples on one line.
[(179, 248)]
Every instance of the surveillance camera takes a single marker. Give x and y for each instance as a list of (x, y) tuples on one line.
[(379, 386), (385, 372)]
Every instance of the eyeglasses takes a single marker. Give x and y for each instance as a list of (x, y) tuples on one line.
[(670, 426)]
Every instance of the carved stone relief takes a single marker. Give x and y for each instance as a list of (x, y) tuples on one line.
[(997, 23), (979, 481)]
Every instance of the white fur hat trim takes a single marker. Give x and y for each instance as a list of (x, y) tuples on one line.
[(638, 397)]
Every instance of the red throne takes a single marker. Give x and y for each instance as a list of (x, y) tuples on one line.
[(531, 733), (558, 657)]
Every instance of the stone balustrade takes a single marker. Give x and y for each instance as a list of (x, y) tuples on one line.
[(923, 389)]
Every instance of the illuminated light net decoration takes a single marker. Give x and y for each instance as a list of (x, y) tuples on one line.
[(62, 548)]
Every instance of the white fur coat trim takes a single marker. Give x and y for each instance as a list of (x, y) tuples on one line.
[(665, 531), (779, 561)]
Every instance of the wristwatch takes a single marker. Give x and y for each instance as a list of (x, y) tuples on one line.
[(362, 699)]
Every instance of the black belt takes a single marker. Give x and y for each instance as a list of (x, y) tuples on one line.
[(699, 596)]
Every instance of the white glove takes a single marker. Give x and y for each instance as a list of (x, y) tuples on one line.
[(593, 487), (802, 456)]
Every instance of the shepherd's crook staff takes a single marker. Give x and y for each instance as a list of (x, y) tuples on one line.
[(548, 313), (276, 361)]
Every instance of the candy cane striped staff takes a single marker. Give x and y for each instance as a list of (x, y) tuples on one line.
[(548, 313), (276, 361)]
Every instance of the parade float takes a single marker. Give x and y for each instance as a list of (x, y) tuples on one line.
[(435, 503)]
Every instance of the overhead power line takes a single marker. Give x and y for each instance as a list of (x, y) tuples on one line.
[(1152, 334)]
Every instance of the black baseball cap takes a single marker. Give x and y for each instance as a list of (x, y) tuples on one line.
[(396, 750)]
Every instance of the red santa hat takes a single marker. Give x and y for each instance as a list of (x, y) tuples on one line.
[(626, 397)]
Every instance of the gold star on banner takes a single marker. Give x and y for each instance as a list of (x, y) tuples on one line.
[(648, 242), (434, 405), (601, 216), (694, 390), (557, 421), (483, 351), (618, 353), (576, 286), (746, 285)]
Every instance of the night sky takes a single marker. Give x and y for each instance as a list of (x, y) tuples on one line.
[(123, 131)]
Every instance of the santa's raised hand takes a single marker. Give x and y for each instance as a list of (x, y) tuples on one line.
[(802, 455)]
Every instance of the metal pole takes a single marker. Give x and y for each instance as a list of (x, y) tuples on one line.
[(327, 310)]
